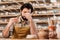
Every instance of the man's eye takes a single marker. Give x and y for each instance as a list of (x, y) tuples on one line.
[(25, 12)]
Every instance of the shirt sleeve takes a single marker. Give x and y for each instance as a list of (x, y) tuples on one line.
[(11, 31)]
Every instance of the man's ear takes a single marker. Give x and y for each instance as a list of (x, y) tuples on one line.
[(21, 12)]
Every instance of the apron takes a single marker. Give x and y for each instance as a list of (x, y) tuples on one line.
[(20, 32)]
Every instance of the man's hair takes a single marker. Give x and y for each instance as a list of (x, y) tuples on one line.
[(28, 6)]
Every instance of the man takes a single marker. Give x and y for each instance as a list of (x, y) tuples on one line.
[(25, 11)]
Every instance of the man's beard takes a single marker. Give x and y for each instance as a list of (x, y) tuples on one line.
[(24, 18)]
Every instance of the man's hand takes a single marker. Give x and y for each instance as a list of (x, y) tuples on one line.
[(28, 16), (32, 25), (12, 20), (7, 28)]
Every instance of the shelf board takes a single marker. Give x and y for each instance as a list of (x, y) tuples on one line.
[(17, 9), (33, 15), (39, 22), (44, 6), (45, 15), (9, 9), (6, 3), (41, 2), (2, 23), (1, 29), (41, 8), (42, 22), (4, 16)]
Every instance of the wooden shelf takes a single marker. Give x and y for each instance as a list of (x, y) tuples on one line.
[(44, 6), (4, 16), (6, 3), (42, 22), (2, 23), (17, 9), (39, 22), (33, 15), (15, 2), (41, 2), (9, 9), (46, 15), (1, 29)]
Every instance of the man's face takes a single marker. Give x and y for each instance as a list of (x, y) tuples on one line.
[(25, 10)]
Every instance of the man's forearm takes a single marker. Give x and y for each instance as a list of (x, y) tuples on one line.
[(32, 27), (6, 30)]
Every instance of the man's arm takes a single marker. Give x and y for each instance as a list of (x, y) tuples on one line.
[(5, 32), (33, 30), (32, 27)]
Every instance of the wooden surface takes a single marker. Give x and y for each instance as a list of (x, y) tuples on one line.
[(16, 39)]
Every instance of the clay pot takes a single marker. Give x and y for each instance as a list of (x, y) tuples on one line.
[(52, 35), (52, 32), (43, 34)]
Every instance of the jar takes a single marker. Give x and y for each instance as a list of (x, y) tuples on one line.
[(6, 13), (43, 34), (1, 13)]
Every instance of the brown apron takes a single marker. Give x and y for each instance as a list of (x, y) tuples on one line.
[(20, 32)]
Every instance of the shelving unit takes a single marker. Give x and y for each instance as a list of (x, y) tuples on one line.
[(20, 3), (7, 7)]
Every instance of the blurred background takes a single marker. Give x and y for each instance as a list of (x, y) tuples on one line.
[(44, 10)]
